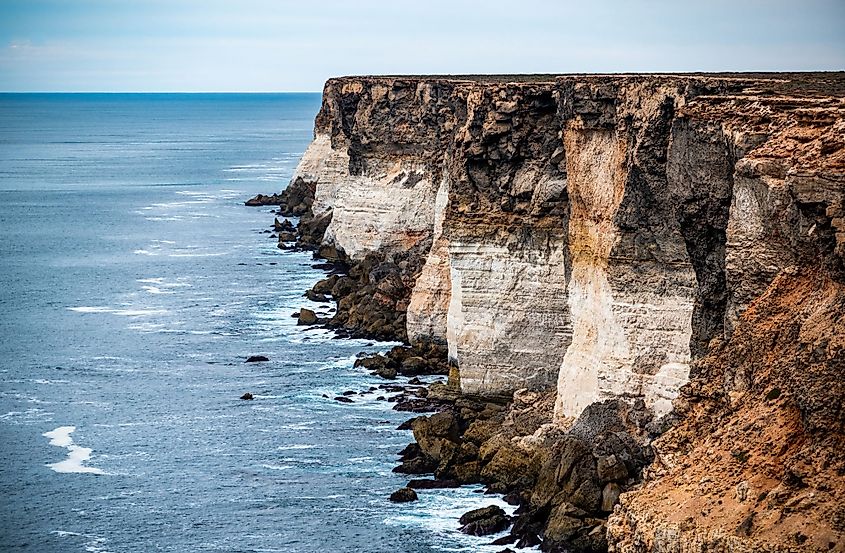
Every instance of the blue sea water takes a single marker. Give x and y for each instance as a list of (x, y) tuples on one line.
[(133, 285)]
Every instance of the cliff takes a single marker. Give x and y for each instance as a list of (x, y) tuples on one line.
[(615, 237)]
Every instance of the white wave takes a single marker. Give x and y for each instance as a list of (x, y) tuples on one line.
[(77, 455), (201, 199), (144, 252), (119, 312), (90, 309), (31, 414), (438, 512), (159, 282), (210, 254), (296, 446), (147, 327), (277, 467), (138, 312), (155, 290), (92, 544)]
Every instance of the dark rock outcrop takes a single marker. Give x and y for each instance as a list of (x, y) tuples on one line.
[(484, 521), (618, 235), (294, 201), (403, 495)]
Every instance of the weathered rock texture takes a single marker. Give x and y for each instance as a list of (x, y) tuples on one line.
[(604, 234)]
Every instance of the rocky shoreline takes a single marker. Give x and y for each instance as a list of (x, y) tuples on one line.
[(564, 482), (630, 287)]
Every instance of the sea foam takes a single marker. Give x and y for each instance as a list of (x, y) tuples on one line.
[(77, 455)]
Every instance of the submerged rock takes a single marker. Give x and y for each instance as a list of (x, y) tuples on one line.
[(247, 396), (256, 359)]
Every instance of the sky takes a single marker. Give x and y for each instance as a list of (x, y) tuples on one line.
[(282, 45)]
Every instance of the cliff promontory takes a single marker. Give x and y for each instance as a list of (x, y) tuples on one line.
[(652, 261)]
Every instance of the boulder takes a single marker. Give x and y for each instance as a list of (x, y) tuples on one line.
[(403, 495), (325, 286), (416, 465), (510, 466), (561, 527), (414, 366), (610, 469), (247, 396), (388, 373), (329, 253), (256, 359), (306, 317), (468, 473), (315, 297), (610, 496), (262, 199), (435, 432), (343, 399), (431, 484), (285, 226), (484, 521)]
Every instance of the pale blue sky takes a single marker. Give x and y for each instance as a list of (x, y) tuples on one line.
[(264, 45)]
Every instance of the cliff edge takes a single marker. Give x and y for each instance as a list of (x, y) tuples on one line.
[(671, 242)]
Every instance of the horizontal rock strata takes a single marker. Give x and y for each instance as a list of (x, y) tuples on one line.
[(610, 238)]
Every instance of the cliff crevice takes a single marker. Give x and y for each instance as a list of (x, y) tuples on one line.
[(613, 238)]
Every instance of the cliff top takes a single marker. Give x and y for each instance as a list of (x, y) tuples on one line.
[(814, 83)]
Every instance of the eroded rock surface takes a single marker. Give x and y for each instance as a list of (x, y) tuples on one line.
[(610, 237)]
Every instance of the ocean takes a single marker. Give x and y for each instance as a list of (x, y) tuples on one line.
[(134, 283)]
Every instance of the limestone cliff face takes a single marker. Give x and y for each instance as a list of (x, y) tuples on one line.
[(576, 227), (615, 237)]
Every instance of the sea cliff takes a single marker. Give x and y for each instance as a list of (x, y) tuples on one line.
[(648, 267)]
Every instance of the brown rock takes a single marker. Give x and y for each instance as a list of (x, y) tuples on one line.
[(403, 495), (429, 484), (610, 469), (561, 527), (484, 521), (610, 496), (510, 466), (307, 317)]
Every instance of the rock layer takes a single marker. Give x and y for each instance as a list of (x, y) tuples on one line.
[(596, 232), (612, 237)]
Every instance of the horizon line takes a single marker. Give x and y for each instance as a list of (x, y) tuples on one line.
[(160, 92)]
